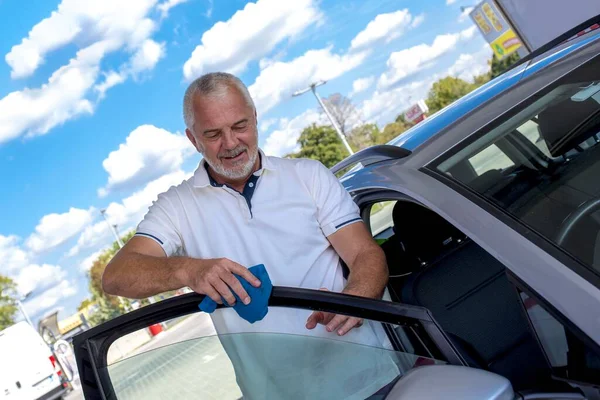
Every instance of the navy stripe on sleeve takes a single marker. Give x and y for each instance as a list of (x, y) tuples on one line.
[(151, 236), (348, 222)]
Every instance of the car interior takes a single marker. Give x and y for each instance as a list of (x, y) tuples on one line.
[(434, 265)]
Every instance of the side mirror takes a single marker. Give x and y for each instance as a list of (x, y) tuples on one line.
[(451, 382)]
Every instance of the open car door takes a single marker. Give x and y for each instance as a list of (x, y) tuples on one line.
[(120, 360)]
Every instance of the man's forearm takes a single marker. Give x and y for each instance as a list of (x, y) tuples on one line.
[(368, 274), (136, 276)]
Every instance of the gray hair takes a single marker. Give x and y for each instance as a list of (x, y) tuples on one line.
[(213, 84)]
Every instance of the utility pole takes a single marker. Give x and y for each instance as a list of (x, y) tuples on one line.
[(312, 88), (113, 229), (20, 299)]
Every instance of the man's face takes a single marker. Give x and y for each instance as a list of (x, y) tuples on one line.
[(225, 133)]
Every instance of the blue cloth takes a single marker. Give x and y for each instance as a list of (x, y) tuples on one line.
[(259, 296)]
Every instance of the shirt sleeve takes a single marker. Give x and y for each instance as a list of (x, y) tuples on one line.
[(335, 207), (160, 224)]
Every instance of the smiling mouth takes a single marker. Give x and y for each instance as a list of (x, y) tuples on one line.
[(236, 157)]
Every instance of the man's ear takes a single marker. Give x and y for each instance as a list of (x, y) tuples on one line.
[(192, 139)]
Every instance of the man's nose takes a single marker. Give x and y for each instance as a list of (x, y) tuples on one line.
[(230, 140)]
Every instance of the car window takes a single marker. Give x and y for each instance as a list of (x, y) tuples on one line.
[(381, 220), (568, 356), (542, 164), (191, 361), (490, 158)]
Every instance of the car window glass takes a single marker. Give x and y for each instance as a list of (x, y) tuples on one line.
[(190, 360), (381, 219), (547, 188), (567, 355), (490, 158), (530, 131)]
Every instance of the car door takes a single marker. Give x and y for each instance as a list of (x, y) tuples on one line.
[(121, 360)]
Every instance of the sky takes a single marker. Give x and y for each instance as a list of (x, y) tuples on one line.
[(91, 103)]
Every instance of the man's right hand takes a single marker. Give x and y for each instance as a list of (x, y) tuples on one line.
[(215, 278)]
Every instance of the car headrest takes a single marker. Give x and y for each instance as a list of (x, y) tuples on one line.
[(557, 121), (420, 229)]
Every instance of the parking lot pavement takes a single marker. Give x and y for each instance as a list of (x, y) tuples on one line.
[(185, 360)]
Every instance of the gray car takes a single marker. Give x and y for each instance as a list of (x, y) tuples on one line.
[(487, 213)]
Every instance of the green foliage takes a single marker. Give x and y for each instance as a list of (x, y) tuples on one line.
[(446, 91), (498, 67), (8, 304), (364, 136), (84, 304), (109, 306), (392, 130), (320, 143)]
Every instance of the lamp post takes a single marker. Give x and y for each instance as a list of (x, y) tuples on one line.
[(113, 228), (312, 88), (20, 300)]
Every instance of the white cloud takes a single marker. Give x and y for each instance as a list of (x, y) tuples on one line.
[(404, 63), (250, 34), (85, 20), (100, 27), (165, 6), (35, 276), (469, 65), (49, 298), (87, 262), (125, 214), (361, 84), (284, 139), (148, 153), (55, 229), (279, 80), (465, 14), (385, 27), (267, 123), (12, 256), (147, 56), (449, 2), (111, 79)]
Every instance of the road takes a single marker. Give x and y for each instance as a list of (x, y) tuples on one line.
[(187, 359)]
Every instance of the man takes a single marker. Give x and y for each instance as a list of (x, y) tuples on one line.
[(242, 208)]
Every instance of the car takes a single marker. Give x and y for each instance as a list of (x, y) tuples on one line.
[(28, 369), (487, 214)]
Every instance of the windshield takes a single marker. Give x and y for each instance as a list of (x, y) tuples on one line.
[(191, 360)]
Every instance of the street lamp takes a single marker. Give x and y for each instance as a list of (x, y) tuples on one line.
[(113, 228), (20, 299), (312, 88)]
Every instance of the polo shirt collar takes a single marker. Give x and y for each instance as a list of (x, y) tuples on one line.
[(202, 179)]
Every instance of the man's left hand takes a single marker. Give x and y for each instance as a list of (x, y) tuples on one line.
[(342, 323)]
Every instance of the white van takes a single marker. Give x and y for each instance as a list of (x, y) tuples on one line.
[(28, 369)]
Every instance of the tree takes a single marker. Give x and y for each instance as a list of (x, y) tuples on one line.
[(364, 136), (109, 306), (320, 143), (8, 304), (342, 110), (84, 304), (497, 67), (446, 91), (392, 130)]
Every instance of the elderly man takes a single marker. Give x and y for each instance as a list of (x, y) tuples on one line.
[(243, 208)]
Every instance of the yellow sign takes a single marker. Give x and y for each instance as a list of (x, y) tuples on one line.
[(506, 44), (482, 23), (491, 15)]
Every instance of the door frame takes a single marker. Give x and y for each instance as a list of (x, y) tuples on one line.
[(91, 347)]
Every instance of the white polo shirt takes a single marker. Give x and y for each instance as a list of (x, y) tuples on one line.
[(282, 220)]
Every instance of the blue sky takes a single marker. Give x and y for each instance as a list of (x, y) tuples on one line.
[(91, 93)]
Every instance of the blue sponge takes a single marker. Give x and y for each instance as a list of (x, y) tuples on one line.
[(258, 307)]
